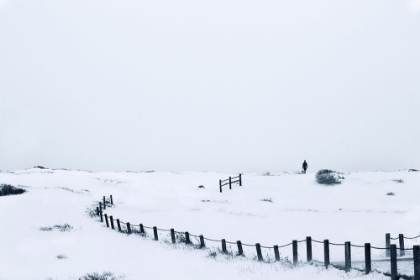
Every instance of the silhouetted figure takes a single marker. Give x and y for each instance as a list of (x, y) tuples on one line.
[(304, 166)]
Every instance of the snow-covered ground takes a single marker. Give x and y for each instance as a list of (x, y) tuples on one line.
[(359, 210)]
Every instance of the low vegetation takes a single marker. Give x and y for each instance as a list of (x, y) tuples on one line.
[(10, 190), (62, 228), (328, 177), (103, 276), (398, 181)]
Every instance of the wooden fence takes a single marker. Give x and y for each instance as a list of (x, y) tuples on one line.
[(230, 181), (390, 249)]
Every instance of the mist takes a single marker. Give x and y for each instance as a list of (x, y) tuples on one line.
[(232, 86)]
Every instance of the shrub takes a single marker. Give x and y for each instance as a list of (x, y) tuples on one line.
[(97, 276), (201, 187), (390, 193), (63, 228), (398, 181), (40, 167), (10, 190), (328, 177), (60, 257), (267, 200)]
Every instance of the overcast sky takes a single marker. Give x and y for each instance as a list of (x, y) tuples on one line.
[(217, 85)]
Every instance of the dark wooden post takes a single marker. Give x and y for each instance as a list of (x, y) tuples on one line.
[(100, 206), (295, 251), (128, 228), (202, 244), (141, 229), (394, 269), (112, 222), (368, 259), (119, 225), (104, 203), (102, 217), (326, 253), (97, 211), (155, 233), (276, 251), (220, 185), (387, 243), (224, 250), (259, 254), (173, 235), (230, 182), (309, 248), (240, 250), (347, 256), (112, 201), (401, 239), (240, 180), (187, 238), (416, 257), (106, 220)]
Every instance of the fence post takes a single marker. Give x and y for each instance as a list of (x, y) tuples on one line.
[(240, 179), (240, 250), (220, 185), (173, 235), (128, 228), (104, 203), (224, 250), (106, 220), (401, 239), (112, 201), (187, 238), (102, 217), (368, 259), (119, 225), (112, 221), (202, 244), (416, 257), (276, 252), (100, 206), (326, 253), (394, 269), (387, 243), (230, 183), (97, 211), (141, 229), (155, 233), (295, 251), (347, 255), (259, 254), (309, 248)]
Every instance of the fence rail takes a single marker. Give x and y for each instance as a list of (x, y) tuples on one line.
[(230, 181), (390, 249)]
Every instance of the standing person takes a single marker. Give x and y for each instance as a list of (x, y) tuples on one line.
[(304, 166)]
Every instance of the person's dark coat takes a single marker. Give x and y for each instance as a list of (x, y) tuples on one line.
[(304, 166)]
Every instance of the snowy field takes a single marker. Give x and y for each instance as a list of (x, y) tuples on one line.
[(271, 210)]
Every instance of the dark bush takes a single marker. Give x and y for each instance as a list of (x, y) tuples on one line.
[(10, 190), (40, 167), (328, 177), (398, 180), (267, 200), (390, 193), (97, 276), (63, 228)]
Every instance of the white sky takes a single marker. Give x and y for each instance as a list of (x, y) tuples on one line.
[(210, 85)]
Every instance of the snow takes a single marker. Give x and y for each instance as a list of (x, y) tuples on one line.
[(358, 210)]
